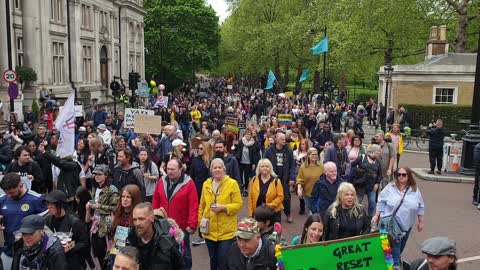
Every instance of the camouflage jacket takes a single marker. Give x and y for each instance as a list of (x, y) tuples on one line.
[(107, 200)]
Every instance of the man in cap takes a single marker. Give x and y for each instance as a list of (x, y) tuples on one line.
[(441, 255), (16, 203), (59, 220), (37, 249), (250, 248), (104, 133)]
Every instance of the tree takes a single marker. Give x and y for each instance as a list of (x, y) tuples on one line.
[(181, 36)]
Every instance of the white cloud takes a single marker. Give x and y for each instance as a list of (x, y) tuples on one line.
[(220, 7)]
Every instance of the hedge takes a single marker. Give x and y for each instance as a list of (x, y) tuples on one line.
[(450, 114), (365, 97)]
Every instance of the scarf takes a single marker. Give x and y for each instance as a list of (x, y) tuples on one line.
[(30, 259), (247, 143)]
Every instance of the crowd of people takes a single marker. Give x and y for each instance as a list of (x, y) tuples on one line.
[(141, 200)]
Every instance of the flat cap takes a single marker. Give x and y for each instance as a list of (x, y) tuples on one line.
[(439, 246)]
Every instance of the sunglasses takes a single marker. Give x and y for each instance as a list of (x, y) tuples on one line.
[(402, 174), (200, 148)]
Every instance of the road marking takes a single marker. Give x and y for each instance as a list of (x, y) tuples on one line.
[(468, 259)]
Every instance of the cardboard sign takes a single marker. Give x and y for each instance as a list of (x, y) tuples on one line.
[(242, 124), (361, 252), (231, 121), (130, 113), (284, 119), (151, 124), (142, 89)]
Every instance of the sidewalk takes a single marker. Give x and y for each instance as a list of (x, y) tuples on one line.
[(452, 177)]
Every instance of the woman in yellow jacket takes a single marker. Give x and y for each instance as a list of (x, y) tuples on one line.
[(266, 189), (218, 212), (397, 140)]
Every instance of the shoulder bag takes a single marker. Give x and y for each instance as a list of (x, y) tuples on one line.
[(391, 223)]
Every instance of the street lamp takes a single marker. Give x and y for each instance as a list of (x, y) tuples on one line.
[(388, 75)]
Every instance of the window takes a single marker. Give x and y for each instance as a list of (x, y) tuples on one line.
[(58, 71), (20, 51), (131, 63), (445, 95), (56, 10), (138, 62), (104, 21), (86, 17), (17, 4), (117, 63), (87, 63), (115, 27)]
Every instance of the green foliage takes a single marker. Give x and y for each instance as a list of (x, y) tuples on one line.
[(182, 36), (364, 97), (25, 74), (450, 114), (36, 109)]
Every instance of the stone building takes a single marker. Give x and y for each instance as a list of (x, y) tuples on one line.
[(442, 78), (82, 44)]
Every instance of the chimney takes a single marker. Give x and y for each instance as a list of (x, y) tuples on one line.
[(437, 45)]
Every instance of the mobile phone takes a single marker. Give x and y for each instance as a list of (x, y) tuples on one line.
[(1, 220), (213, 205), (92, 202)]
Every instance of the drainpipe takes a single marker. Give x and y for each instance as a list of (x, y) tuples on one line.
[(70, 52)]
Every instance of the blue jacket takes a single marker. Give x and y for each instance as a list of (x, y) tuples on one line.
[(289, 164), (164, 147), (99, 117), (331, 155), (324, 193)]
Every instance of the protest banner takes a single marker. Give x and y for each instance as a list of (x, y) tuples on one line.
[(229, 87), (289, 94), (78, 110), (151, 124), (285, 119), (242, 124), (231, 121), (360, 252), (130, 113), (142, 89)]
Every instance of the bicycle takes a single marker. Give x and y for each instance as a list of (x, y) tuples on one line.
[(417, 137)]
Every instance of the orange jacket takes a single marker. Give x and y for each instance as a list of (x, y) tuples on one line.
[(274, 197)]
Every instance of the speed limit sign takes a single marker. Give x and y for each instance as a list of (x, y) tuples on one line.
[(9, 76)]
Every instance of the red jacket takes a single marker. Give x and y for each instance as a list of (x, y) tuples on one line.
[(183, 204)]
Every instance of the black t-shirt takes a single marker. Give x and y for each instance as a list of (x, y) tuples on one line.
[(144, 250), (347, 224), (262, 197)]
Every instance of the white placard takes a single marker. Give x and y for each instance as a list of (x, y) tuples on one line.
[(130, 113)]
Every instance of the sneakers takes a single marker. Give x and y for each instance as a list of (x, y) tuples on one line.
[(431, 172), (198, 241), (439, 172), (475, 203)]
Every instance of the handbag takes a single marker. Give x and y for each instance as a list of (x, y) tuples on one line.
[(204, 225), (391, 223), (359, 174)]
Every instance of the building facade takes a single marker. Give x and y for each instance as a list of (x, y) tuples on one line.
[(73, 43), (443, 78)]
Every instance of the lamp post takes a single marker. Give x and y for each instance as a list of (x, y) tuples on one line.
[(388, 76)]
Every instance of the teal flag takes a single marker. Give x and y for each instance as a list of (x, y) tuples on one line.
[(271, 79), (304, 76), (321, 47)]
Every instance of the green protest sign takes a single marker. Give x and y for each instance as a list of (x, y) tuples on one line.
[(361, 252)]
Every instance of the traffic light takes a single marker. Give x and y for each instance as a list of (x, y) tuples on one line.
[(116, 88), (133, 78)]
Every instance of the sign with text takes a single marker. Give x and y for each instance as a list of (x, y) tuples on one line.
[(78, 110), (130, 113), (360, 252), (142, 89), (285, 119), (151, 124), (231, 121)]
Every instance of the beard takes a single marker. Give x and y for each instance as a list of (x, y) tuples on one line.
[(219, 154)]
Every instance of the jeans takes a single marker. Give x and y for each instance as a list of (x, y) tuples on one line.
[(371, 196), (310, 204), (217, 250), (7, 261), (398, 248), (187, 257)]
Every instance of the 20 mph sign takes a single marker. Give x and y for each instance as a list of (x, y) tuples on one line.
[(9, 76)]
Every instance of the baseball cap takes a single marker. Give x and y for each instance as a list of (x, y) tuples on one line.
[(31, 223), (178, 142), (56, 196), (101, 169), (439, 246), (82, 129), (102, 126), (247, 228)]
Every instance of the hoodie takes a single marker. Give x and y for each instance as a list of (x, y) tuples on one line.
[(132, 175)]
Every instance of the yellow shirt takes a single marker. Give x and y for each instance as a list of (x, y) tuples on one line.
[(308, 176), (196, 116)]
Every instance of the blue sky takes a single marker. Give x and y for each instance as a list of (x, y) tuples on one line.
[(220, 7)]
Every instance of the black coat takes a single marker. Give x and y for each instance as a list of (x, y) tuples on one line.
[(69, 177), (253, 153), (53, 254), (332, 225), (264, 260), (70, 223), (31, 168), (163, 254), (436, 138), (6, 155)]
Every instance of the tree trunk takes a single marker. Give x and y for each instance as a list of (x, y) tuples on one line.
[(461, 39), (298, 85), (286, 75), (316, 82)]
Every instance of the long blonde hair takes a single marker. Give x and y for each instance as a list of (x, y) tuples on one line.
[(207, 153), (342, 189)]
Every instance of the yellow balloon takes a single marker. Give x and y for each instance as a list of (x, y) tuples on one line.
[(153, 84)]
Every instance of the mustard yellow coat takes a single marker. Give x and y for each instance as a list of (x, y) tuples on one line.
[(222, 224), (274, 197)]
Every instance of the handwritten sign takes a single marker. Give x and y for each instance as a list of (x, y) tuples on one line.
[(151, 124), (361, 252), (285, 119), (142, 91), (130, 113), (231, 121)]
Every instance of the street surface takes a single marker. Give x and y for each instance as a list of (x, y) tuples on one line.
[(448, 212)]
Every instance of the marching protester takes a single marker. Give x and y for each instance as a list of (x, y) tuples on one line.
[(441, 254), (387, 157), (231, 163), (29, 171), (150, 173), (247, 155), (312, 231), (128, 258), (127, 172), (325, 189), (308, 174)]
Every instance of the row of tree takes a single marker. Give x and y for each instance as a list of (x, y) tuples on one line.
[(363, 36)]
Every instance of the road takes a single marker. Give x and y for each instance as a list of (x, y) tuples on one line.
[(449, 212)]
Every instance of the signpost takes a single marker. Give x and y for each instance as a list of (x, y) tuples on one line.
[(13, 90), (360, 252), (9, 76)]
